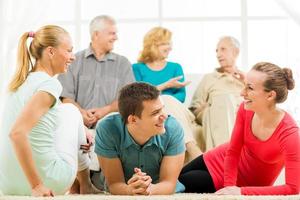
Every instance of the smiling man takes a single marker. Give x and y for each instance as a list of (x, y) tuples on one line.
[(93, 80), (140, 150)]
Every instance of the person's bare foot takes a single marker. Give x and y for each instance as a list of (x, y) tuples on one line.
[(89, 189), (193, 151), (75, 188)]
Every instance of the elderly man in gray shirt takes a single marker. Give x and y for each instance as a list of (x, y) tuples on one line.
[(93, 80)]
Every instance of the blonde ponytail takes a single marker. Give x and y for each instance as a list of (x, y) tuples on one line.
[(48, 35), (24, 64)]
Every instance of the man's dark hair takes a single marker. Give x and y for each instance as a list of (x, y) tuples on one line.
[(132, 96)]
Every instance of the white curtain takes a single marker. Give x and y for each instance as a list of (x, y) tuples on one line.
[(16, 18)]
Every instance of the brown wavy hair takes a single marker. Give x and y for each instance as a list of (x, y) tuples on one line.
[(278, 79)]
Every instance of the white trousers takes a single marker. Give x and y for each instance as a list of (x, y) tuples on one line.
[(69, 136), (58, 175)]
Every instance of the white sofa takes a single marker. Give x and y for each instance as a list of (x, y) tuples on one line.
[(190, 89)]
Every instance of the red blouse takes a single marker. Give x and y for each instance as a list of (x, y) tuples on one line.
[(253, 164)]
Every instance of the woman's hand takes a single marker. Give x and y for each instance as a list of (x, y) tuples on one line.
[(233, 190), (90, 141), (89, 137), (173, 83), (41, 191)]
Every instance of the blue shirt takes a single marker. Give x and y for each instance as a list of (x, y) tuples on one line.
[(114, 141), (156, 77)]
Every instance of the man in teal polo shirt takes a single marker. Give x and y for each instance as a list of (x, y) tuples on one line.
[(141, 150)]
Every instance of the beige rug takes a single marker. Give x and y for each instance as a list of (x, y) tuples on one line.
[(160, 197)]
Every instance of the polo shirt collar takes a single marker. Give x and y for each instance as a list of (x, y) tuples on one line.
[(90, 52), (130, 141), (219, 74)]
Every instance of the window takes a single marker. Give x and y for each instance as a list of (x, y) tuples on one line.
[(264, 28), (200, 8), (129, 9)]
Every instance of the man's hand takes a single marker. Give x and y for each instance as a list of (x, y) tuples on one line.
[(41, 191), (139, 183), (99, 113), (88, 118), (200, 109), (233, 190), (239, 75)]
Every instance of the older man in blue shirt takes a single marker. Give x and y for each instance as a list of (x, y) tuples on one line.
[(140, 150)]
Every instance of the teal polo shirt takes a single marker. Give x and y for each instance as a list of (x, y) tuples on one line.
[(114, 141)]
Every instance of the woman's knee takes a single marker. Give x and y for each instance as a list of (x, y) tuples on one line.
[(69, 108)]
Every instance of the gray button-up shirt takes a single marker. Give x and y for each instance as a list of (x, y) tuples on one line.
[(95, 83)]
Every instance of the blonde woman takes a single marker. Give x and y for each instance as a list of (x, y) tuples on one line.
[(168, 77), (153, 67), (41, 138)]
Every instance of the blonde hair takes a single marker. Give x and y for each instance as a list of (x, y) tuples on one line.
[(152, 40), (46, 36)]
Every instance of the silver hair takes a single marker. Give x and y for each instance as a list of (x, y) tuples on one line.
[(97, 24), (233, 41)]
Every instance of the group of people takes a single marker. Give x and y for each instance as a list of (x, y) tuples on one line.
[(129, 122)]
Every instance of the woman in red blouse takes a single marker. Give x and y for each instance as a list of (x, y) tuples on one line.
[(264, 140)]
